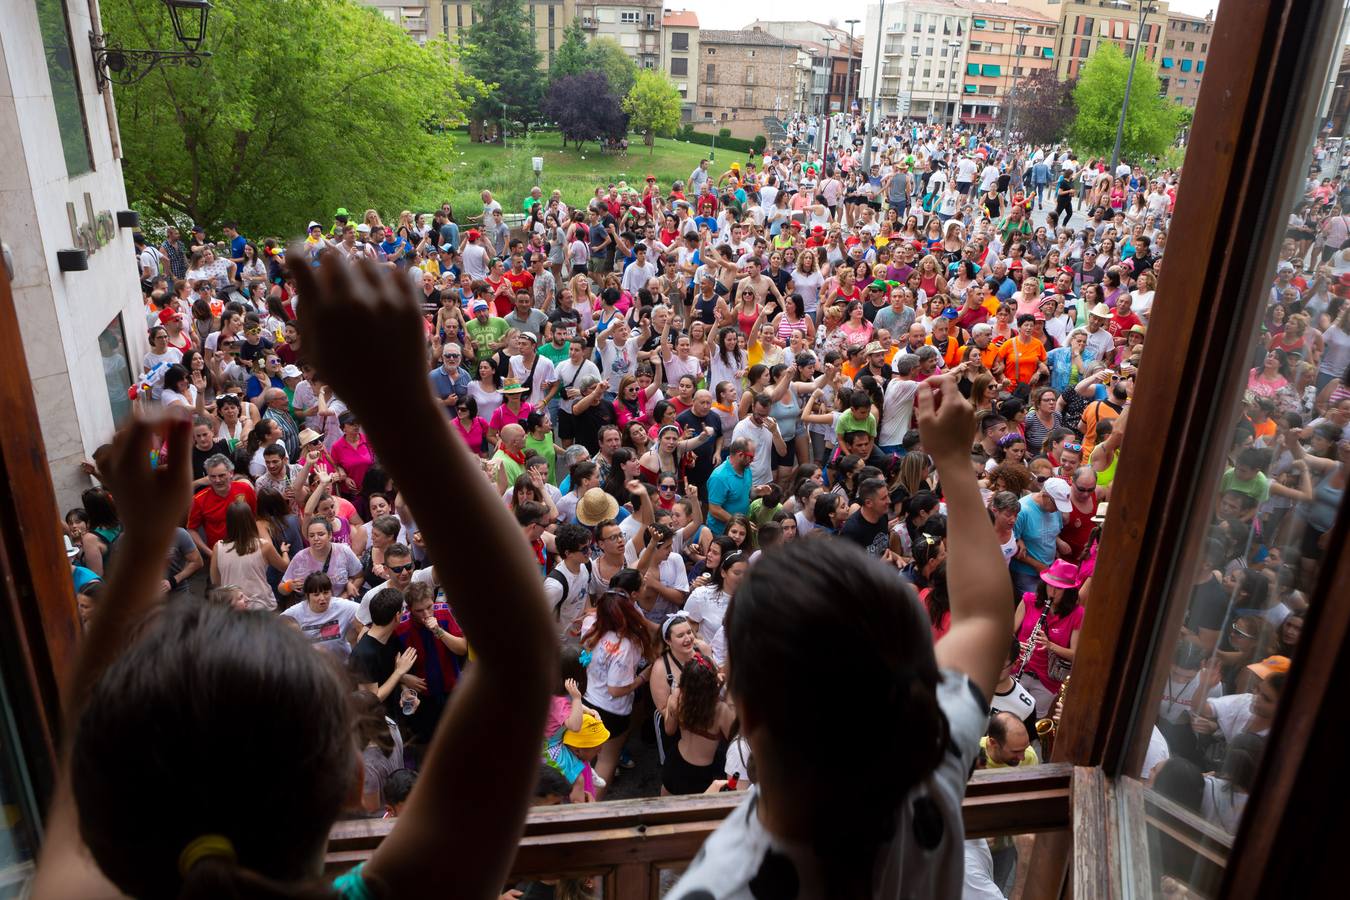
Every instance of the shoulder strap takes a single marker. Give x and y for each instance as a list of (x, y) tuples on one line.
[(555, 575)]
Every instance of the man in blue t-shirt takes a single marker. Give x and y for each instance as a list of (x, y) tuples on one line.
[(1037, 528), (237, 241), (731, 486)]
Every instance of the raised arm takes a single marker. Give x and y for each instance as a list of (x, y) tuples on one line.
[(347, 311), (981, 613)]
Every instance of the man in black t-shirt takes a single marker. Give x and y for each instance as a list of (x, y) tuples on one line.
[(375, 661), (591, 412), (697, 417), (1209, 601), (204, 446), (867, 526)]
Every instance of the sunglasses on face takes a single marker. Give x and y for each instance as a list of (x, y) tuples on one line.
[(666, 488), (255, 330), (1076, 448), (406, 567)]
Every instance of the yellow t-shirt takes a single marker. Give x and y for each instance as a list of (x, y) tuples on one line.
[(1029, 757)]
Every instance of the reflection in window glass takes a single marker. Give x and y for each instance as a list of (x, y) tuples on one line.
[(112, 347), (1277, 495), (65, 87), (19, 829)]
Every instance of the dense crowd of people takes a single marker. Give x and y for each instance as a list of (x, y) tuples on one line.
[(669, 386)]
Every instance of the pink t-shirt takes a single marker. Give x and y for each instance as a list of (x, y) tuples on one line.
[(502, 416), (559, 708), (1058, 630), (474, 435)]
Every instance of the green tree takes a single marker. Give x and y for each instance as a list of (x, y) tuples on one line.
[(653, 106), (1150, 122), (572, 56), (605, 55), (306, 105), (499, 49)]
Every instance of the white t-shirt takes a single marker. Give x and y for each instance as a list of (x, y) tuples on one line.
[(568, 375), (363, 610), (1233, 712), (761, 468), (617, 361), (326, 630), (897, 411), (1222, 803), (566, 607), (1157, 752), (965, 169), (544, 374), (925, 858), (979, 872), (708, 607), (613, 663)]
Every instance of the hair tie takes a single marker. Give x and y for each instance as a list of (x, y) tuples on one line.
[(205, 846)]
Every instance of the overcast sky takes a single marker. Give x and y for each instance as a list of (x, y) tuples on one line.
[(723, 15)]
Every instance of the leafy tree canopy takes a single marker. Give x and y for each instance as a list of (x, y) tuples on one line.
[(605, 55), (585, 108), (1150, 122), (1043, 108), (306, 105), (572, 56), (499, 49), (653, 105)]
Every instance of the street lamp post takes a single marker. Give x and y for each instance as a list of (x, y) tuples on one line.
[(1144, 9), (848, 79), (872, 103), (954, 46), (1022, 30), (825, 91)]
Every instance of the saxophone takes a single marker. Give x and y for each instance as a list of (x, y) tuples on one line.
[(1047, 727)]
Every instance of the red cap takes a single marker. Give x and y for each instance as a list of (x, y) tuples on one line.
[(819, 229), (795, 226), (473, 235), (167, 314), (651, 177)]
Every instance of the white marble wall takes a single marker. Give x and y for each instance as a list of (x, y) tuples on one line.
[(61, 314)]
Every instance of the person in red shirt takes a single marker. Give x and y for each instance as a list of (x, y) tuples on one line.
[(817, 238), (431, 629), (1123, 319), (207, 513), (520, 278)]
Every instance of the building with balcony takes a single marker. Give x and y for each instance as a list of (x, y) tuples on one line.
[(635, 25), (679, 56), (838, 59), (549, 18), (1185, 48), (923, 57), (411, 17), (1085, 24), (1007, 43), (745, 77)]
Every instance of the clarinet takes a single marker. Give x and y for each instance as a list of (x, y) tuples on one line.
[(1031, 644)]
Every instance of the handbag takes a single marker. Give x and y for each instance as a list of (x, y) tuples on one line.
[(1057, 667)]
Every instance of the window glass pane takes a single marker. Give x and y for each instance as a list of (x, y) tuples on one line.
[(1277, 483), (65, 87), (112, 347), (19, 829)]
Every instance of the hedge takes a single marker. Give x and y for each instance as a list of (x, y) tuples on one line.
[(737, 145)]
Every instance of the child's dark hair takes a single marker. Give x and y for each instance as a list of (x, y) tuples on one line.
[(316, 583), (223, 681), (551, 783), (398, 785), (831, 592), (385, 605), (569, 666)]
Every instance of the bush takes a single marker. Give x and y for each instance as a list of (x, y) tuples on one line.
[(725, 132), (738, 145), (758, 143)]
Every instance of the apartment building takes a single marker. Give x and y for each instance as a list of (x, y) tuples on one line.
[(679, 56), (549, 18), (412, 17), (1185, 47), (923, 57), (837, 56), (1085, 24), (745, 77), (1006, 44), (635, 25)]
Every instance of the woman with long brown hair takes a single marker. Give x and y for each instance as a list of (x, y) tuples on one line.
[(695, 711), (242, 557)]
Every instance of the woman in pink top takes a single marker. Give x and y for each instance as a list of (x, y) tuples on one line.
[(471, 426), (352, 452), (513, 410), (1052, 649)]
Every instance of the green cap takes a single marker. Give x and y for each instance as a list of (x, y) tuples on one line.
[(878, 285), (342, 211)]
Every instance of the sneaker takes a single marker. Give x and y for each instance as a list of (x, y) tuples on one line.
[(626, 760)]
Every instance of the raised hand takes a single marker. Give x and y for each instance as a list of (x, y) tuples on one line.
[(946, 419), (160, 494)]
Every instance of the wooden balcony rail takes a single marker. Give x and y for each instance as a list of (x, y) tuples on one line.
[(628, 842)]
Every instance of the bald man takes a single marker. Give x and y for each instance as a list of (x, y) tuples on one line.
[(275, 406), (510, 456), (698, 416)]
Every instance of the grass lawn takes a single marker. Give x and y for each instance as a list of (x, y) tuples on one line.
[(507, 172)]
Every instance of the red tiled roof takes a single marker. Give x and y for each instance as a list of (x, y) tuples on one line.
[(679, 18)]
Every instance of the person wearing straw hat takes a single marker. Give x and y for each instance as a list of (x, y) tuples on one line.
[(1100, 340)]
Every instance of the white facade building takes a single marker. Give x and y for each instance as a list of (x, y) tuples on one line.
[(923, 54), (84, 332)]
